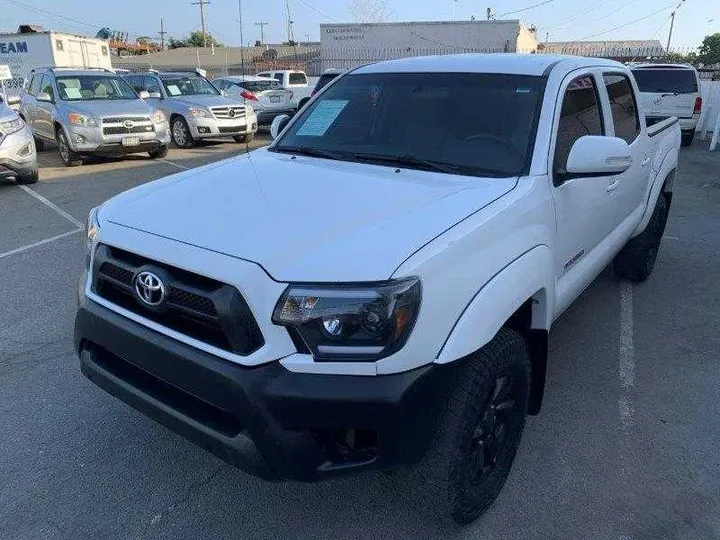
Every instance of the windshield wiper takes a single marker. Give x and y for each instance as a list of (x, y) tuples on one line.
[(310, 151), (409, 160)]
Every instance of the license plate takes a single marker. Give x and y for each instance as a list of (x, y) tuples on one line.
[(130, 141), (274, 99)]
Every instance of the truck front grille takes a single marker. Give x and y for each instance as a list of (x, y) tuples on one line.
[(198, 307), (229, 113)]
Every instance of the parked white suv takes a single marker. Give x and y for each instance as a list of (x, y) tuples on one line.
[(376, 288), (670, 90)]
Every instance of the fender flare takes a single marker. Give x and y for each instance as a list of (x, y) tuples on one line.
[(666, 173), (530, 276)]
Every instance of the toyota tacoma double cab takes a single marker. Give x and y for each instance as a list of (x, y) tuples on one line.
[(374, 290)]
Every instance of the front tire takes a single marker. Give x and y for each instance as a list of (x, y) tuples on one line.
[(479, 433), (248, 138), (29, 178), (158, 153), (181, 136), (637, 259), (67, 156)]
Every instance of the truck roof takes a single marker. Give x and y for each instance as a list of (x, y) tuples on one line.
[(663, 66), (511, 64)]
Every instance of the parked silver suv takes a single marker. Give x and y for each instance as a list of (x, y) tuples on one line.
[(91, 111), (196, 109), (17, 150)]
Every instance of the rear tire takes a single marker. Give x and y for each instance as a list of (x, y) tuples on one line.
[(469, 460), (67, 156), (637, 259), (30, 178), (248, 138), (159, 153), (39, 144), (181, 136), (688, 137)]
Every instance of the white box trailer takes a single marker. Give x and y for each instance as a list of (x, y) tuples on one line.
[(24, 52)]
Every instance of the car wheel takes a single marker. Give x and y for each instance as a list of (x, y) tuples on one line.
[(67, 156), (637, 259), (181, 135), (469, 460), (688, 137), (159, 153), (29, 178), (244, 138)]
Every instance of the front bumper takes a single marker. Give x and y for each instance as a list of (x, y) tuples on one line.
[(16, 158), (266, 420), (91, 140), (202, 128)]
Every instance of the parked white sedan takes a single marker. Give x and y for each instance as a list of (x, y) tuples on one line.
[(266, 96)]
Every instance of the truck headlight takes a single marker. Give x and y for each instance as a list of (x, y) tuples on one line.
[(159, 117), (82, 120), (351, 322), (91, 235), (11, 126), (198, 112)]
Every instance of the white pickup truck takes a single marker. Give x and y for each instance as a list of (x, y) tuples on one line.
[(295, 81), (375, 289)]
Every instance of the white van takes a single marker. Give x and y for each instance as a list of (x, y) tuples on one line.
[(670, 90)]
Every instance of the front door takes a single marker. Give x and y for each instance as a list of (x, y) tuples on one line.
[(43, 121)]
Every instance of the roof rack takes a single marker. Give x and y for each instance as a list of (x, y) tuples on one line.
[(73, 68)]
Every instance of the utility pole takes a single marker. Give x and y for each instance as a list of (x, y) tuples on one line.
[(547, 37), (291, 36), (672, 24), (262, 26), (489, 13), (242, 41), (162, 34), (202, 4)]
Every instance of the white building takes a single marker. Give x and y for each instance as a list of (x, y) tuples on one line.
[(347, 45)]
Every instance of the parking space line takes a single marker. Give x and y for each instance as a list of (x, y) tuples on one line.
[(40, 243), (52, 206), (626, 406), (181, 167)]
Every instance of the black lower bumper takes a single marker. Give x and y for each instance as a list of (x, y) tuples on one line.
[(117, 149), (265, 420), (13, 168)]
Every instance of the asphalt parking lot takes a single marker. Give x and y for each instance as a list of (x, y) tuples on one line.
[(627, 445)]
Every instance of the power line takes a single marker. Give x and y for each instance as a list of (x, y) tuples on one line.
[(318, 11), (262, 25), (580, 13), (526, 8), (629, 23)]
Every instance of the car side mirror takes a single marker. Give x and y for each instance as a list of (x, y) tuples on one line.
[(223, 92), (594, 155), (144, 94), (155, 95), (278, 124), (45, 97)]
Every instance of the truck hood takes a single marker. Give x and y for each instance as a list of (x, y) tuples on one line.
[(107, 107), (302, 218)]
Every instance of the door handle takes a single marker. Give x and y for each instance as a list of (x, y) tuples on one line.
[(645, 162), (614, 185)]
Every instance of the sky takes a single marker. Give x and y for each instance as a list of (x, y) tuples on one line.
[(562, 20)]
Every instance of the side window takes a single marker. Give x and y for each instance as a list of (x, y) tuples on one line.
[(135, 81), (152, 85), (46, 87), (580, 116), (279, 77), (34, 85), (298, 78), (623, 107), (221, 85)]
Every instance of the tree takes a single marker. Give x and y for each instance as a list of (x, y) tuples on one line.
[(709, 52), (370, 11), (195, 39), (177, 43)]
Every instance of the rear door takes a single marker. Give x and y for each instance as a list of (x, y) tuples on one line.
[(667, 91), (585, 209), (43, 121), (623, 121)]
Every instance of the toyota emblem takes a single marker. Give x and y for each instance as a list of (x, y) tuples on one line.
[(150, 289), (128, 124)]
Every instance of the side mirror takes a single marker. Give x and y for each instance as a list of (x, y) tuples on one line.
[(155, 95), (278, 124), (45, 97), (596, 155), (144, 94), (223, 92)]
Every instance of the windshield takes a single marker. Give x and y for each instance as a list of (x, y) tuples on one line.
[(93, 87), (260, 86), (188, 85), (470, 123), (681, 81)]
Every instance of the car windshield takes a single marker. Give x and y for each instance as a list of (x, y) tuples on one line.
[(655, 80), (93, 87), (188, 85), (260, 86), (465, 123)]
